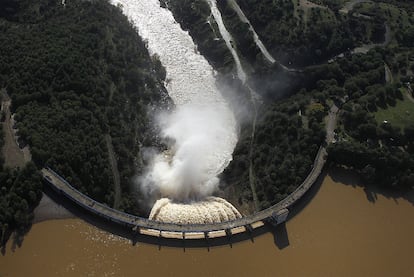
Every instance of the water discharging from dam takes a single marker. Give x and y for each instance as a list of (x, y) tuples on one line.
[(207, 211), (202, 127)]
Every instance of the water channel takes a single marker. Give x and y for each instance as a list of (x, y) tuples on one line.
[(190, 78), (344, 230)]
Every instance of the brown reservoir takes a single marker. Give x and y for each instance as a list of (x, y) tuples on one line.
[(343, 231)]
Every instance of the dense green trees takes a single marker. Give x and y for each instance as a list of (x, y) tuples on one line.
[(298, 38), (241, 33), (194, 16), (76, 73), (287, 138), (20, 193), (380, 151)]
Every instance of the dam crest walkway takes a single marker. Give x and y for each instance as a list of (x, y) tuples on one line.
[(276, 213)]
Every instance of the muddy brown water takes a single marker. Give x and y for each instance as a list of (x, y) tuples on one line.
[(343, 231)]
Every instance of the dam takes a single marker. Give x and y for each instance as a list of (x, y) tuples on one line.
[(339, 226), (142, 226), (275, 214)]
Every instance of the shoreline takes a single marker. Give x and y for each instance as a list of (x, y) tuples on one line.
[(339, 227), (50, 210)]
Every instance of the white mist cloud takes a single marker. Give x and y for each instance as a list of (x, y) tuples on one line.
[(198, 138)]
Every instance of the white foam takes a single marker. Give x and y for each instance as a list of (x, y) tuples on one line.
[(192, 86), (211, 210)]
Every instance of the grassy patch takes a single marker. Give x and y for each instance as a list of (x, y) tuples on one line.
[(399, 115)]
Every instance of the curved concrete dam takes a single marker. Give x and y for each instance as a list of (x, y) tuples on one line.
[(339, 233), (225, 226)]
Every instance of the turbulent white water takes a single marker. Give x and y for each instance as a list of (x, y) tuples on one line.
[(259, 43), (210, 210), (227, 38), (202, 126)]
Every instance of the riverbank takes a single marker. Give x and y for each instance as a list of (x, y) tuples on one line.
[(339, 233), (49, 210)]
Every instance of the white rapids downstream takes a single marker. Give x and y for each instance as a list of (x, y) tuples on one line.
[(191, 82)]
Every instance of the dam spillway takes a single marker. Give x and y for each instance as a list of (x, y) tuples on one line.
[(208, 211)]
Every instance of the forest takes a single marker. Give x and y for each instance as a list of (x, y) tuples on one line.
[(290, 30), (370, 139), (287, 138), (88, 82), (21, 191)]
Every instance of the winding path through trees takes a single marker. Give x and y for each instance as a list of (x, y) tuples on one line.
[(115, 172)]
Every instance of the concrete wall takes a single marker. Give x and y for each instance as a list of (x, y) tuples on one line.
[(169, 230)]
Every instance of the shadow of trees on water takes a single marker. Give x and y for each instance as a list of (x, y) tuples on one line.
[(351, 178)]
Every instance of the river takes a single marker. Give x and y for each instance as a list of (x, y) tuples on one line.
[(342, 231), (191, 83)]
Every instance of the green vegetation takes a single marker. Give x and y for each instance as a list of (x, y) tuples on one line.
[(242, 35), (399, 19), (400, 115), (194, 16), (369, 139), (288, 136), (292, 40), (76, 73), (20, 193), (375, 135)]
